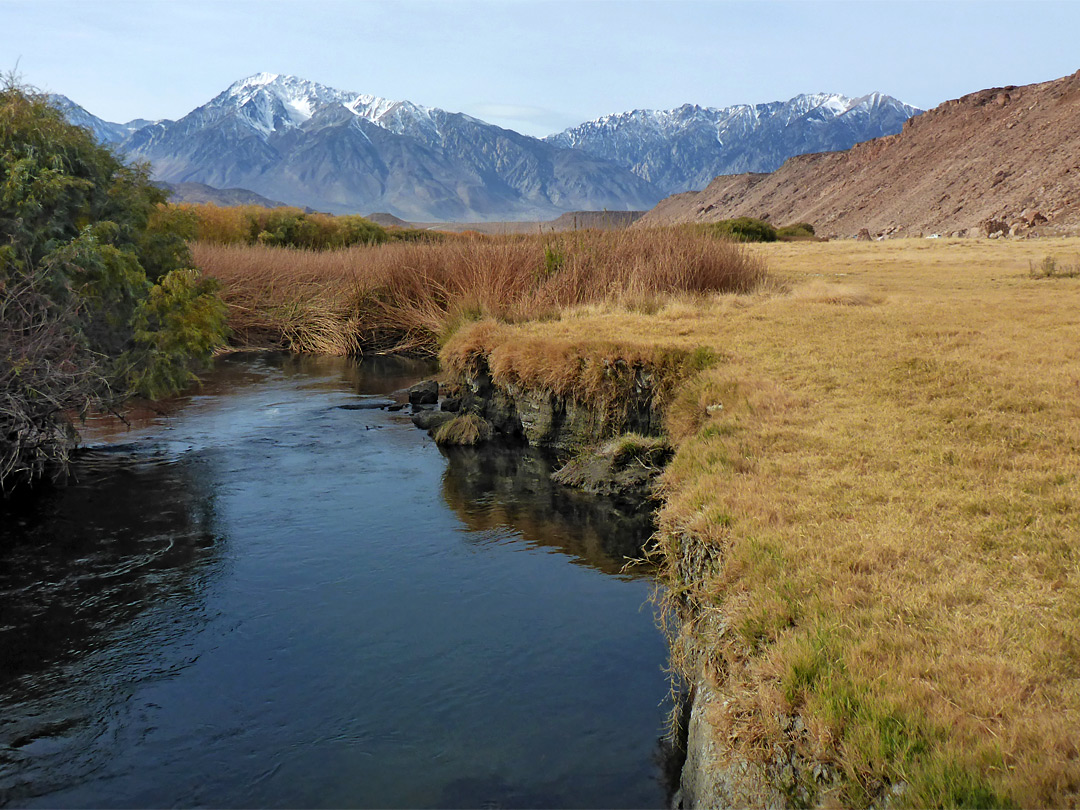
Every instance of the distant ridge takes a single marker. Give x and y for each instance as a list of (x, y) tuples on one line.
[(682, 149), (202, 193), (1001, 160)]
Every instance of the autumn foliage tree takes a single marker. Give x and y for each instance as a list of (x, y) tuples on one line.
[(98, 298)]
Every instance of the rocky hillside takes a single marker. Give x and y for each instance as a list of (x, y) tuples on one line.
[(201, 193), (993, 162), (681, 149)]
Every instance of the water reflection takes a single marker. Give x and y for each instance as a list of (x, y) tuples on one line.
[(92, 577), (492, 487)]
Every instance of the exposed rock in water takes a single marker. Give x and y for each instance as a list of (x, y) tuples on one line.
[(711, 776), (367, 405), (626, 468), (424, 393), (431, 420)]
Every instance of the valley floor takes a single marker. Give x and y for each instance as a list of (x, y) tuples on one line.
[(870, 531)]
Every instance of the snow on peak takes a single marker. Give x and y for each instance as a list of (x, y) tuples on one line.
[(271, 102), (652, 124)]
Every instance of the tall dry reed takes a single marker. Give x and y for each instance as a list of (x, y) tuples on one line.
[(407, 296)]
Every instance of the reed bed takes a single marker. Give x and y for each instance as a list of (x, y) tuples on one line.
[(408, 297)]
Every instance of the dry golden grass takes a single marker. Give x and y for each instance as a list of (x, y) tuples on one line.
[(464, 430), (407, 296), (879, 529)]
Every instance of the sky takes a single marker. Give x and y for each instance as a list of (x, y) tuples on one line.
[(534, 66)]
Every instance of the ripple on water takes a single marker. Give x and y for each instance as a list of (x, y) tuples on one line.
[(265, 598)]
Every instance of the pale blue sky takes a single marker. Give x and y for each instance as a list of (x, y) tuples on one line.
[(537, 67)]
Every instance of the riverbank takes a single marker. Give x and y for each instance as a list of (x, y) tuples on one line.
[(869, 523)]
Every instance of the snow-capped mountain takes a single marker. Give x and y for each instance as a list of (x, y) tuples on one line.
[(685, 148), (295, 140), (270, 103), (291, 139)]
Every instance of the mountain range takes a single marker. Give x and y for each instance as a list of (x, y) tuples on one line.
[(1001, 161), (310, 145), (685, 148)]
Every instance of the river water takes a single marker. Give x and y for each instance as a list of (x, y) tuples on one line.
[(263, 598)]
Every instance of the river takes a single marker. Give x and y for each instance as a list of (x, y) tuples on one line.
[(263, 598)]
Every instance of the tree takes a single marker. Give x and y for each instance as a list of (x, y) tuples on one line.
[(98, 298)]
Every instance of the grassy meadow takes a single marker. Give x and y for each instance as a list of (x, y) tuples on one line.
[(872, 519)]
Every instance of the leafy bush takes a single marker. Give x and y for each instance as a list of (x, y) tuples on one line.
[(279, 227), (98, 301), (744, 229), (800, 230)]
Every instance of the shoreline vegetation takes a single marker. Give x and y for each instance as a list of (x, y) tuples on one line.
[(868, 531), (99, 301), (408, 292)]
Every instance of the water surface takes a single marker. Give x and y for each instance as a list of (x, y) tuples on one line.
[(265, 599)]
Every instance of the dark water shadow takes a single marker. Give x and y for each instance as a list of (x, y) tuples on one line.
[(99, 585), (494, 486)]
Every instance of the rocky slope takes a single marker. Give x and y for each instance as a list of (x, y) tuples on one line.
[(1003, 160), (201, 193), (685, 148)]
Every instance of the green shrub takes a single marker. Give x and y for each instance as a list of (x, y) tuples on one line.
[(554, 259), (743, 229), (800, 230), (97, 299)]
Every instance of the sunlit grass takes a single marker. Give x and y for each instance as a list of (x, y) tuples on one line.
[(873, 515), (411, 296)]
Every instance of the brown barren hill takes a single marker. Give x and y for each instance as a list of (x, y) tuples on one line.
[(997, 161)]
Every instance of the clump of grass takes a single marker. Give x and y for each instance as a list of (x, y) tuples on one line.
[(635, 448), (410, 296), (1049, 267), (825, 292), (464, 430)]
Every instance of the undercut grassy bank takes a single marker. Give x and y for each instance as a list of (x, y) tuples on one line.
[(870, 525)]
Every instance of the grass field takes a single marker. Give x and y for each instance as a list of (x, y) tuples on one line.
[(878, 530)]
